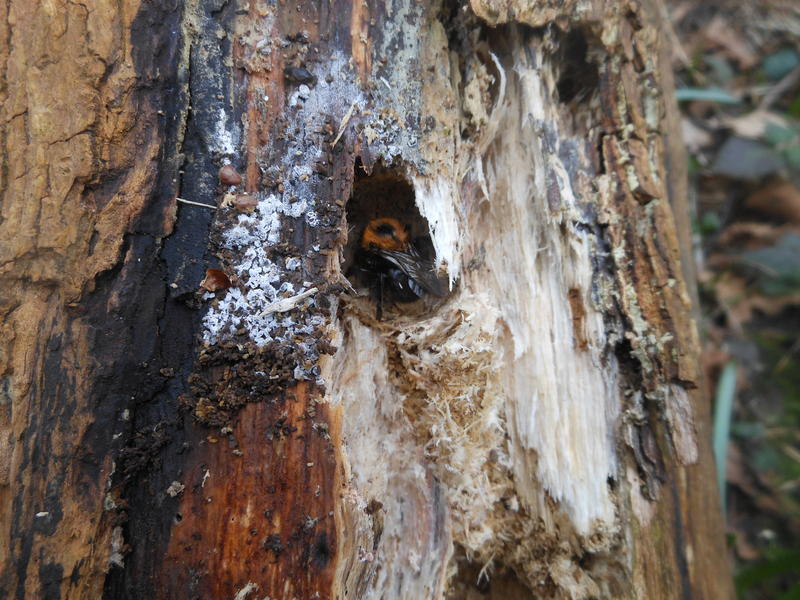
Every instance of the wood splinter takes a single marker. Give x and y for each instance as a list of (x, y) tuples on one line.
[(287, 304)]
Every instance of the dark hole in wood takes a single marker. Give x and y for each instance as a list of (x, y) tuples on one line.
[(579, 76), (321, 552), (385, 191), (273, 544), (499, 582)]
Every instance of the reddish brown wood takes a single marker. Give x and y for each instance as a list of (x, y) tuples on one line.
[(258, 506)]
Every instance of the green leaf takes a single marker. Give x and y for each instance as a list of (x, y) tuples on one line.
[(710, 223), (781, 562), (776, 268), (694, 165), (777, 66), (767, 460), (792, 156), (723, 410), (721, 70), (744, 429), (792, 594), (709, 94), (794, 108), (775, 134), (749, 160)]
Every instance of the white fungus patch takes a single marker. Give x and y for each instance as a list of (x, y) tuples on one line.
[(301, 94), (225, 141), (244, 306), (293, 263), (246, 311)]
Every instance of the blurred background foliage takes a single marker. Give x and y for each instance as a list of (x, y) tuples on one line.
[(737, 68)]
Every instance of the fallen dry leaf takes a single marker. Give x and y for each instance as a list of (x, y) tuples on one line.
[(695, 137), (215, 280), (748, 235), (229, 176), (779, 200), (245, 203), (739, 300), (720, 32), (753, 125)]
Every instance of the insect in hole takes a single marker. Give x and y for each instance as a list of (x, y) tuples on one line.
[(393, 265)]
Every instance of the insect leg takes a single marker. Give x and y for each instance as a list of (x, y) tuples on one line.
[(379, 314)]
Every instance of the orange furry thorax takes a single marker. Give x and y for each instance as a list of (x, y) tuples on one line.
[(385, 233)]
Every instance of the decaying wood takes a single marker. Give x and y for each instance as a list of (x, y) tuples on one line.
[(85, 207), (539, 433)]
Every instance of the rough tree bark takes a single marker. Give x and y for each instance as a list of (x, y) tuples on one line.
[(173, 432)]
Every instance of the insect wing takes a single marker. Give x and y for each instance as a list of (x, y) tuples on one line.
[(417, 268)]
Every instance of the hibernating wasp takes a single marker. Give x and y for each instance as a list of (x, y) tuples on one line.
[(393, 265)]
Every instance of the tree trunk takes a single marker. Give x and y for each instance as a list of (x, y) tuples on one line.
[(196, 403)]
